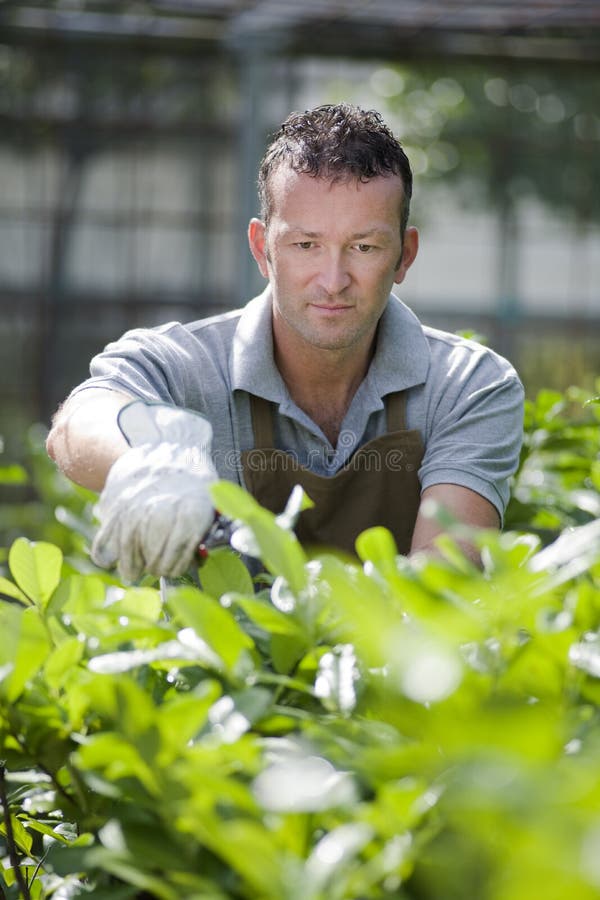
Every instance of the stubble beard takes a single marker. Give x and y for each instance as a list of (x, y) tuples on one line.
[(352, 335)]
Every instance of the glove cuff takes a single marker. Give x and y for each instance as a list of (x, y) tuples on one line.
[(155, 423)]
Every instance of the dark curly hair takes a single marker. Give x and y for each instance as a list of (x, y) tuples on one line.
[(336, 142)]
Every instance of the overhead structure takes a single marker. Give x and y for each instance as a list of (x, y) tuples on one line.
[(537, 29)]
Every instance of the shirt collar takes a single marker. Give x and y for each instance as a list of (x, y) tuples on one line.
[(401, 357)]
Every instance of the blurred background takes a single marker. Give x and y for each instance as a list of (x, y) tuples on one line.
[(130, 135)]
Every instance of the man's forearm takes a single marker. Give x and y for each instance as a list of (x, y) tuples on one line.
[(85, 440), (464, 507)]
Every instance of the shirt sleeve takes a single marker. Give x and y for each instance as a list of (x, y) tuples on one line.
[(477, 429), (145, 363)]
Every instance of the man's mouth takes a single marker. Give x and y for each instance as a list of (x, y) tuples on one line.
[(331, 307)]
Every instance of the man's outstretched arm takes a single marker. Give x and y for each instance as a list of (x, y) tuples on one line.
[(85, 440)]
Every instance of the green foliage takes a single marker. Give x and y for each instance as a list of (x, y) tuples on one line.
[(502, 132), (355, 729), (558, 482), (37, 500), (437, 734)]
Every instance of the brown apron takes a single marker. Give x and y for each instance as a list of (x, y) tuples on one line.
[(379, 485)]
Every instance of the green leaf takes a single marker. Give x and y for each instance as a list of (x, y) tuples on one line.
[(270, 619), (61, 662), (378, 546), (122, 703), (24, 644), (41, 828), (11, 590), (377, 549), (141, 603), (279, 548), (116, 758), (286, 651), (215, 625), (152, 847), (36, 567), (22, 838), (233, 501), (250, 851), (181, 718), (78, 594), (223, 572), (118, 863)]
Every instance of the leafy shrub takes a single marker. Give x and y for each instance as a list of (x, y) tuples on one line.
[(558, 482), (414, 730), (353, 729)]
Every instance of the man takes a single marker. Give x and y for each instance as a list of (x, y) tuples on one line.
[(326, 379)]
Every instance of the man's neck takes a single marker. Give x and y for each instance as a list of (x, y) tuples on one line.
[(323, 382)]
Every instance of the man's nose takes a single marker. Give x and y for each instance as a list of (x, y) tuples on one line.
[(334, 274)]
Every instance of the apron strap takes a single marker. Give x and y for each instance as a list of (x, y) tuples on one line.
[(262, 422), (262, 417), (395, 407)]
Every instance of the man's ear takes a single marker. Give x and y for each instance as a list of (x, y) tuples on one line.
[(257, 241), (410, 248)]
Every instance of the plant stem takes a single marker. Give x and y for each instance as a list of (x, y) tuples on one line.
[(10, 838)]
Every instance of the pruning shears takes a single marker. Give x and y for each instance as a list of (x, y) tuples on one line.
[(218, 535)]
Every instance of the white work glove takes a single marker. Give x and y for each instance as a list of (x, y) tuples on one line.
[(156, 506)]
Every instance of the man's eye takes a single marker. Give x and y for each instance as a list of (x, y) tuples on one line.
[(364, 248), (304, 245)]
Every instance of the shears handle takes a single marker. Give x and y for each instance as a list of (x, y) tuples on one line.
[(218, 535)]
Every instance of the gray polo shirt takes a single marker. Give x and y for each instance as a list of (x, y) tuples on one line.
[(466, 401)]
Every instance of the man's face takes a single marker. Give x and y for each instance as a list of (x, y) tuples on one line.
[(332, 252)]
